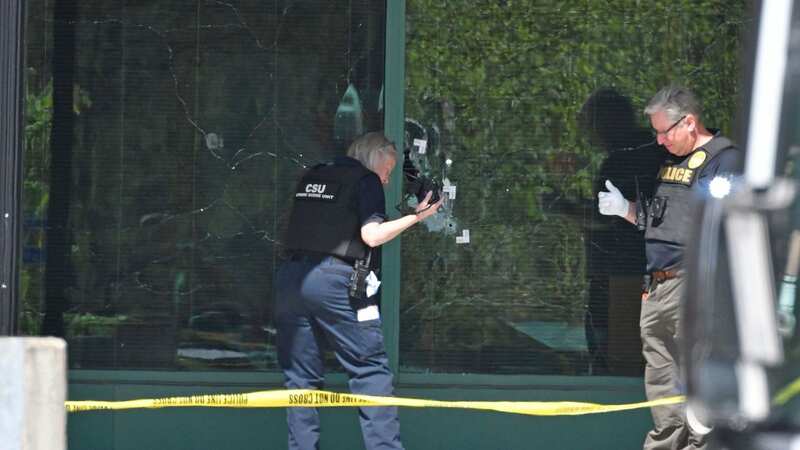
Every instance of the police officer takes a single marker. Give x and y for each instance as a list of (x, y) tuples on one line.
[(337, 220), (700, 160)]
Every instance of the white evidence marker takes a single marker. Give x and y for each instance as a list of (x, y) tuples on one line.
[(450, 189), (422, 144)]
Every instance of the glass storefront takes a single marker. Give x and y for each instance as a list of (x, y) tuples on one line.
[(162, 141), (525, 109)]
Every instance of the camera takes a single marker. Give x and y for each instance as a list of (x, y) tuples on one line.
[(420, 187)]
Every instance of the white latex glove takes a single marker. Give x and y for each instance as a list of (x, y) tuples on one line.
[(612, 203)]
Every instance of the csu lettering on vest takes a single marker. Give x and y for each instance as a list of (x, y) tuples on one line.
[(324, 217), (671, 210), (318, 190)]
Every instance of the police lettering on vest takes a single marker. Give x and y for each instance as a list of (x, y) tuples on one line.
[(670, 211), (324, 216)]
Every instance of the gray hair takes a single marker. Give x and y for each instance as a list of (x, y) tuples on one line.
[(372, 149), (675, 101)]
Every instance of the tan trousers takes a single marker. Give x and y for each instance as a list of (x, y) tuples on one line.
[(660, 330)]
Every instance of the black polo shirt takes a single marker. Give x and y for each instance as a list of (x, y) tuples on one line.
[(371, 201)]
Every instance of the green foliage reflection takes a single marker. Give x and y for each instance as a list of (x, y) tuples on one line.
[(504, 81)]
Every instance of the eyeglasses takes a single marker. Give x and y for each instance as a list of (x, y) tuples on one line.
[(665, 132)]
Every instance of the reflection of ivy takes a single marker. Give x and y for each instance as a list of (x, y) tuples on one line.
[(29, 320), (36, 189), (35, 196), (504, 82), (88, 324)]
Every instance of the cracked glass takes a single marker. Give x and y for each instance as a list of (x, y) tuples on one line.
[(162, 143)]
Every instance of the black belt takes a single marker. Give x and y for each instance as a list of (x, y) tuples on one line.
[(315, 257)]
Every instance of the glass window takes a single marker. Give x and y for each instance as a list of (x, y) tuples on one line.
[(163, 139), (522, 110)]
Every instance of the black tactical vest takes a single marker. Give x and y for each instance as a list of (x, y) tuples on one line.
[(324, 218), (670, 213)]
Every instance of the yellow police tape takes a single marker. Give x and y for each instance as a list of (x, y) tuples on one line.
[(322, 399), (787, 393)]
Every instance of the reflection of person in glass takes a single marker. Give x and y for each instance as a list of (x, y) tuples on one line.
[(337, 220), (615, 250), (700, 160)]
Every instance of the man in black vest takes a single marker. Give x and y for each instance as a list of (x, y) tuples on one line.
[(700, 163), (322, 296)]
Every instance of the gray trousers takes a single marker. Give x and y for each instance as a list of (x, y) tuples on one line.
[(661, 330)]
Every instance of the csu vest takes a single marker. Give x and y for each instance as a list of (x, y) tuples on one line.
[(324, 218), (670, 213)]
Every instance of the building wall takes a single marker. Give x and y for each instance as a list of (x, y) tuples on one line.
[(429, 428)]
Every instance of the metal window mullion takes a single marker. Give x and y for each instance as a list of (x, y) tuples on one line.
[(394, 120), (11, 147)]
